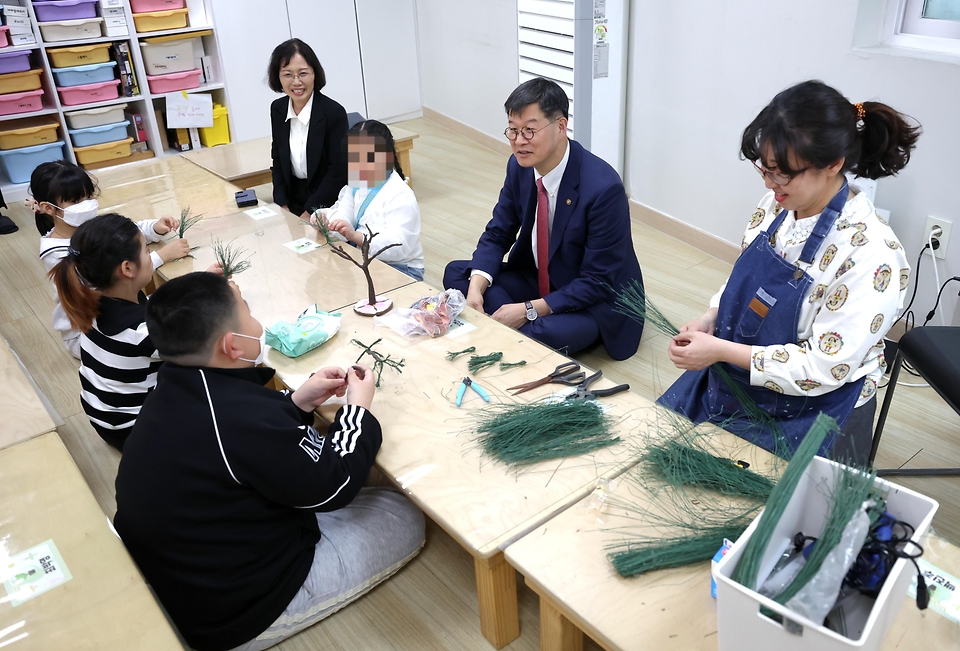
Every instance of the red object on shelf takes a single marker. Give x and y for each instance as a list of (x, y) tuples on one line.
[(88, 93), (26, 102), (175, 81)]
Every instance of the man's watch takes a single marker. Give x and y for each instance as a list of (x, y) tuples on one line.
[(531, 311)]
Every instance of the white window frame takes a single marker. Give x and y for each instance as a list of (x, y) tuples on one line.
[(903, 27)]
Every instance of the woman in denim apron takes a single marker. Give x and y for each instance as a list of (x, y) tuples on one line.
[(799, 324)]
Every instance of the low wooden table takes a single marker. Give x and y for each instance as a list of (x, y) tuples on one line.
[(24, 414), (565, 563), (281, 283), (429, 453), (105, 605), (247, 164)]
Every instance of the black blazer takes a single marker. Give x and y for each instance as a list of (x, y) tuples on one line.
[(326, 151)]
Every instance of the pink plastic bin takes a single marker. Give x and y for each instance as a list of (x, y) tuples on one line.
[(26, 102), (143, 6), (88, 93), (175, 81), (4, 36)]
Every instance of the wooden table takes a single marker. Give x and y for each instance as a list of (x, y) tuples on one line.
[(281, 283), (106, 605), (565, 563), (247, 164), (429, 453), (164, 186), (24, 415)]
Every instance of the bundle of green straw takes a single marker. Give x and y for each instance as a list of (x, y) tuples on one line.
[(523, 434), (636, 557), (680, 464)]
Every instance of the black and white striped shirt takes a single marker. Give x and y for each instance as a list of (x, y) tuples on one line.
[(118, 368)]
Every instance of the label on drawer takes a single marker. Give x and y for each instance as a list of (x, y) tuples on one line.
[(33, 572)]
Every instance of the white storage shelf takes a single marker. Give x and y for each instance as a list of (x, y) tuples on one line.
[(200, 18)]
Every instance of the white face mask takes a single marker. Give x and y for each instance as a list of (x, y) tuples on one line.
[(263, 347), (81, 212), (355, 182)]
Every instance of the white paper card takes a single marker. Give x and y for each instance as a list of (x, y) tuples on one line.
[(303, 245), (34, 571), (259, 213), (460, 327), (185, 110)]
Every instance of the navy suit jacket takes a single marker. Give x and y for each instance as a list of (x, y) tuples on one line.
[(591, 248)]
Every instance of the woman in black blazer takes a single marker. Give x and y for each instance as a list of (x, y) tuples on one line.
[(309, 132)]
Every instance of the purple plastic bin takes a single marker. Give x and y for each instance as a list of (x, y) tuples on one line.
[(65, 10), (14, 61)]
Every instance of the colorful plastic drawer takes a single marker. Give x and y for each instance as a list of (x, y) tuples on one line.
[(18, 82), (14, 62), (65, 10), (19, 164), (95, 117), (157, 20), (70, 30), (4, 36), (219, 133), (80, 75), (143, 6), (99, 135), (21, 102), (100, 153), (81, 55), (174, 82), (28, 133), (90, 93), (162, 56)]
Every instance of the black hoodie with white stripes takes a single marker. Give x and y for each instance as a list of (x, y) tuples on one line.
[(216, 495)]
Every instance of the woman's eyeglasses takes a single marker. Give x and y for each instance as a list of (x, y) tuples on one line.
[(777, 177)]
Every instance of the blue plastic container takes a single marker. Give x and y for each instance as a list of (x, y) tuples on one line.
[(80, 75), (99, 135), (18, 164)]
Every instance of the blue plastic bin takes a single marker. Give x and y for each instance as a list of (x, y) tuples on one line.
[(99, 135), (20, 163), (80, 75)]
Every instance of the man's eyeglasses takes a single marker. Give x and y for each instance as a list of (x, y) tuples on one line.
[(306, 74), (527, 133), (777, 177)]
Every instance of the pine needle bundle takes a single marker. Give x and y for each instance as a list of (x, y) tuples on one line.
[(319, 224), (231, 259), (453, 354), (748, 567), (637, 557), (505, 366), (682, 465), (187, 221), (379, 361), (479, 362), (523, 434)]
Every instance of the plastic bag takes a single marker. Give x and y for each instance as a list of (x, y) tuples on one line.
[(311, 329), (430, 315)]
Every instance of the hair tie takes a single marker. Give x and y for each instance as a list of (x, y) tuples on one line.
[(861, 113), (72, 252)]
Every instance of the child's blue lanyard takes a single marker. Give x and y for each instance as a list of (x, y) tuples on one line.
[(369, 198)]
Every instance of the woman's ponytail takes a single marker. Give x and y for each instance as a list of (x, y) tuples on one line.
[(80, 302), (887, 140)]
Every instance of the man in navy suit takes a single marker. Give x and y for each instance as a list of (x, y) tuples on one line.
[(561, 199)]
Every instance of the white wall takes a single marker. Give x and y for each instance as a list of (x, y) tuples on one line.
[(468, 59), (701, 70)]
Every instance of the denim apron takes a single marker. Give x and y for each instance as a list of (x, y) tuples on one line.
[(760, 306)]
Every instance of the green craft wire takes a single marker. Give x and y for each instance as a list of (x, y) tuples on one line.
[(748, 567), (508, 365), (452, 355), (186, 221), (479, 362), (681, 465), (378, 359), (678, 551), (230, 258)]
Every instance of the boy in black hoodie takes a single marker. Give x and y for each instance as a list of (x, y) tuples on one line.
[(250, 524)]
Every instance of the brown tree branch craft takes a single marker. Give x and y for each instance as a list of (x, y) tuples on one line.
[(373, 305)]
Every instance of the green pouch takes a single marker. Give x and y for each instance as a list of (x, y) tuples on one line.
[(311, 329)]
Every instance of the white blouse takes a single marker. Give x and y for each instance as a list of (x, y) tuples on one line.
[(860, 276), (299, 130)]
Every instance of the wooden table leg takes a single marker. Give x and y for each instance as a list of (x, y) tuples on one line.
[(403, 155), (557, 633), (497, 593)]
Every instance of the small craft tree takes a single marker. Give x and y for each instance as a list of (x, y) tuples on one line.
[(374, 305)]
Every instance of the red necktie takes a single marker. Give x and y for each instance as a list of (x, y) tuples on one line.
[(543, 239)]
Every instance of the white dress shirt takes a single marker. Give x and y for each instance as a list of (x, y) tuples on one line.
[(299, 128), (551, 183)]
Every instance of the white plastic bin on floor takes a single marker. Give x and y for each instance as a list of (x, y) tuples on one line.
[(741, 626)]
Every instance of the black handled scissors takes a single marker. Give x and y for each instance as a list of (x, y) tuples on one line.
[(584, 392), (566, 373)]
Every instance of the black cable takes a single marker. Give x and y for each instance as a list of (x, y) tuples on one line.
[(939, 294), (877, 558), (916, 283)]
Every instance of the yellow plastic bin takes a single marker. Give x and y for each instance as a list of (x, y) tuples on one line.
[(154, 21), (106, 151), (219, 133), (27, 133), (82, 55), (19, 82)]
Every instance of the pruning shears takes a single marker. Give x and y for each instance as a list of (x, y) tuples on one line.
[(467, 382), (584, 392)]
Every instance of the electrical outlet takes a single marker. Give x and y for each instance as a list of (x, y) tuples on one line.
[(944, 238)]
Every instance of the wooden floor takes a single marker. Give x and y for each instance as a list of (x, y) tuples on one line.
[(432, 603)]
